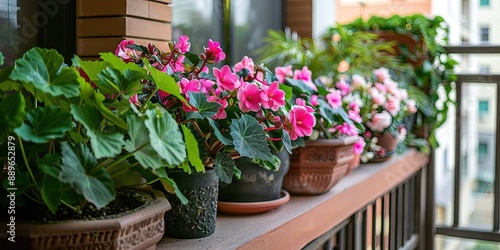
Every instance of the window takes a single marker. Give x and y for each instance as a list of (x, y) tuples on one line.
[(484, 3), (484, 68), (484, 34), (483, 108), (482, 150)]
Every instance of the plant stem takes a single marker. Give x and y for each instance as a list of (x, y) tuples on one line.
[(27, 164), (146, 104), (120, 159), (125, 169), (69, 206)]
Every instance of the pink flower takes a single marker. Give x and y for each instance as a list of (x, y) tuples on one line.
[(302, 102), (314, 100), (283, 72), (245, 63), (346, 129), (381, 74), (354, 115), (381, 87), (301, 122), (214, 52), (354, 106), (380, 121), (187, 85), (125, 53), (411, 105), (343, 66), (343, 86), (178, 65), (183, 45), (133, 99), (305, 75), (206, 85), (221, 114), (358, 82), (334, 98), (402, 132), (359, 146), (377, 97), (272, 97), (393, 105), (226, 80), (249, 97)]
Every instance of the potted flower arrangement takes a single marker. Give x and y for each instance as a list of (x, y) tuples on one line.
[(321, 158), (230, 113), (71, 142), (382, 107)]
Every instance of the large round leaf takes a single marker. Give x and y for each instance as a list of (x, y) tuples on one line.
[(45, 123)]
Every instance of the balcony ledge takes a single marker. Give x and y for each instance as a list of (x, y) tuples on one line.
[(305, 218)]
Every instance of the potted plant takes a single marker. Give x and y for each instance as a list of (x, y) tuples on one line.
[(229, 113), (71, 143)]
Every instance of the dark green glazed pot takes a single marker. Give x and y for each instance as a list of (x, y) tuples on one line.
[(197, 218), (256, 183)]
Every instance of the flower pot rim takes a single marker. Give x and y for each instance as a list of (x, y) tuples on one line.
[(343, 141)]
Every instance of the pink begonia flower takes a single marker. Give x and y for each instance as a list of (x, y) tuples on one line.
[(354, 115), (183, 45), (380, 121), (343, 86), (305, 75), (302, 122), (163, 95), (377, 97), (390, 84), (358, 82), (178, 66), (187, 85), (359, 146), (354, 106), (133, 99), (126, 54), (393, 105), (334, 98), (272, 97), (302, 102), (411, 105), (249, 97), (381, 74), (346, 129), (402, 132), (214, 52), (368, 134), (221, 114), (336, 37), (314, 100), (245, 63), (343, 66), (283, 72), (226, 79), (206, 85), (381, 88)]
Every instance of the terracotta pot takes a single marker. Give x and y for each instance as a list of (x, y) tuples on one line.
[(389, 143), (138, 229), (317, 167), (197, 218), (354, 163), (256, 183)]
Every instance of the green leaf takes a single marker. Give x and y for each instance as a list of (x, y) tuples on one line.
[(224, 167), (287, 141), (165, 137), (249, 138), (117, 63), (288, 91), (165, 82), (108, 81), (78, 170), (132, 84), (205, 109), (45, 123), (144, 153), (86, 90), (50, 164), (170, 185), (51, 193), (42, 68), (193, 152), (11, 113), (193, 58), (107, 113), (300, 86), (122, 174), (93, 68), (103, 144), (1, 58), (215, 127)]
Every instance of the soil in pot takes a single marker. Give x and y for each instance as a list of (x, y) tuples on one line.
[(256, 183), (196, 219)]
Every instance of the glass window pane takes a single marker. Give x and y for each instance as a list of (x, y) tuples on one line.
[(484, 3)]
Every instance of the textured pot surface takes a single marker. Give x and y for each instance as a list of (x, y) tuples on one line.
[(317, 167), (256, 183), (197, 218), (138, 229)]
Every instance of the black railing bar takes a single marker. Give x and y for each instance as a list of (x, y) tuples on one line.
[(357, 230), (374, 224), (382, 221), (410, 244), (429, 186), (496, 192), (400, 218), (318, 242), (350, 230), (456, 181), (479, 78), (392, 219), (469, 233), (364, 228), (406, 210), (473, 49), (413, 201)]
